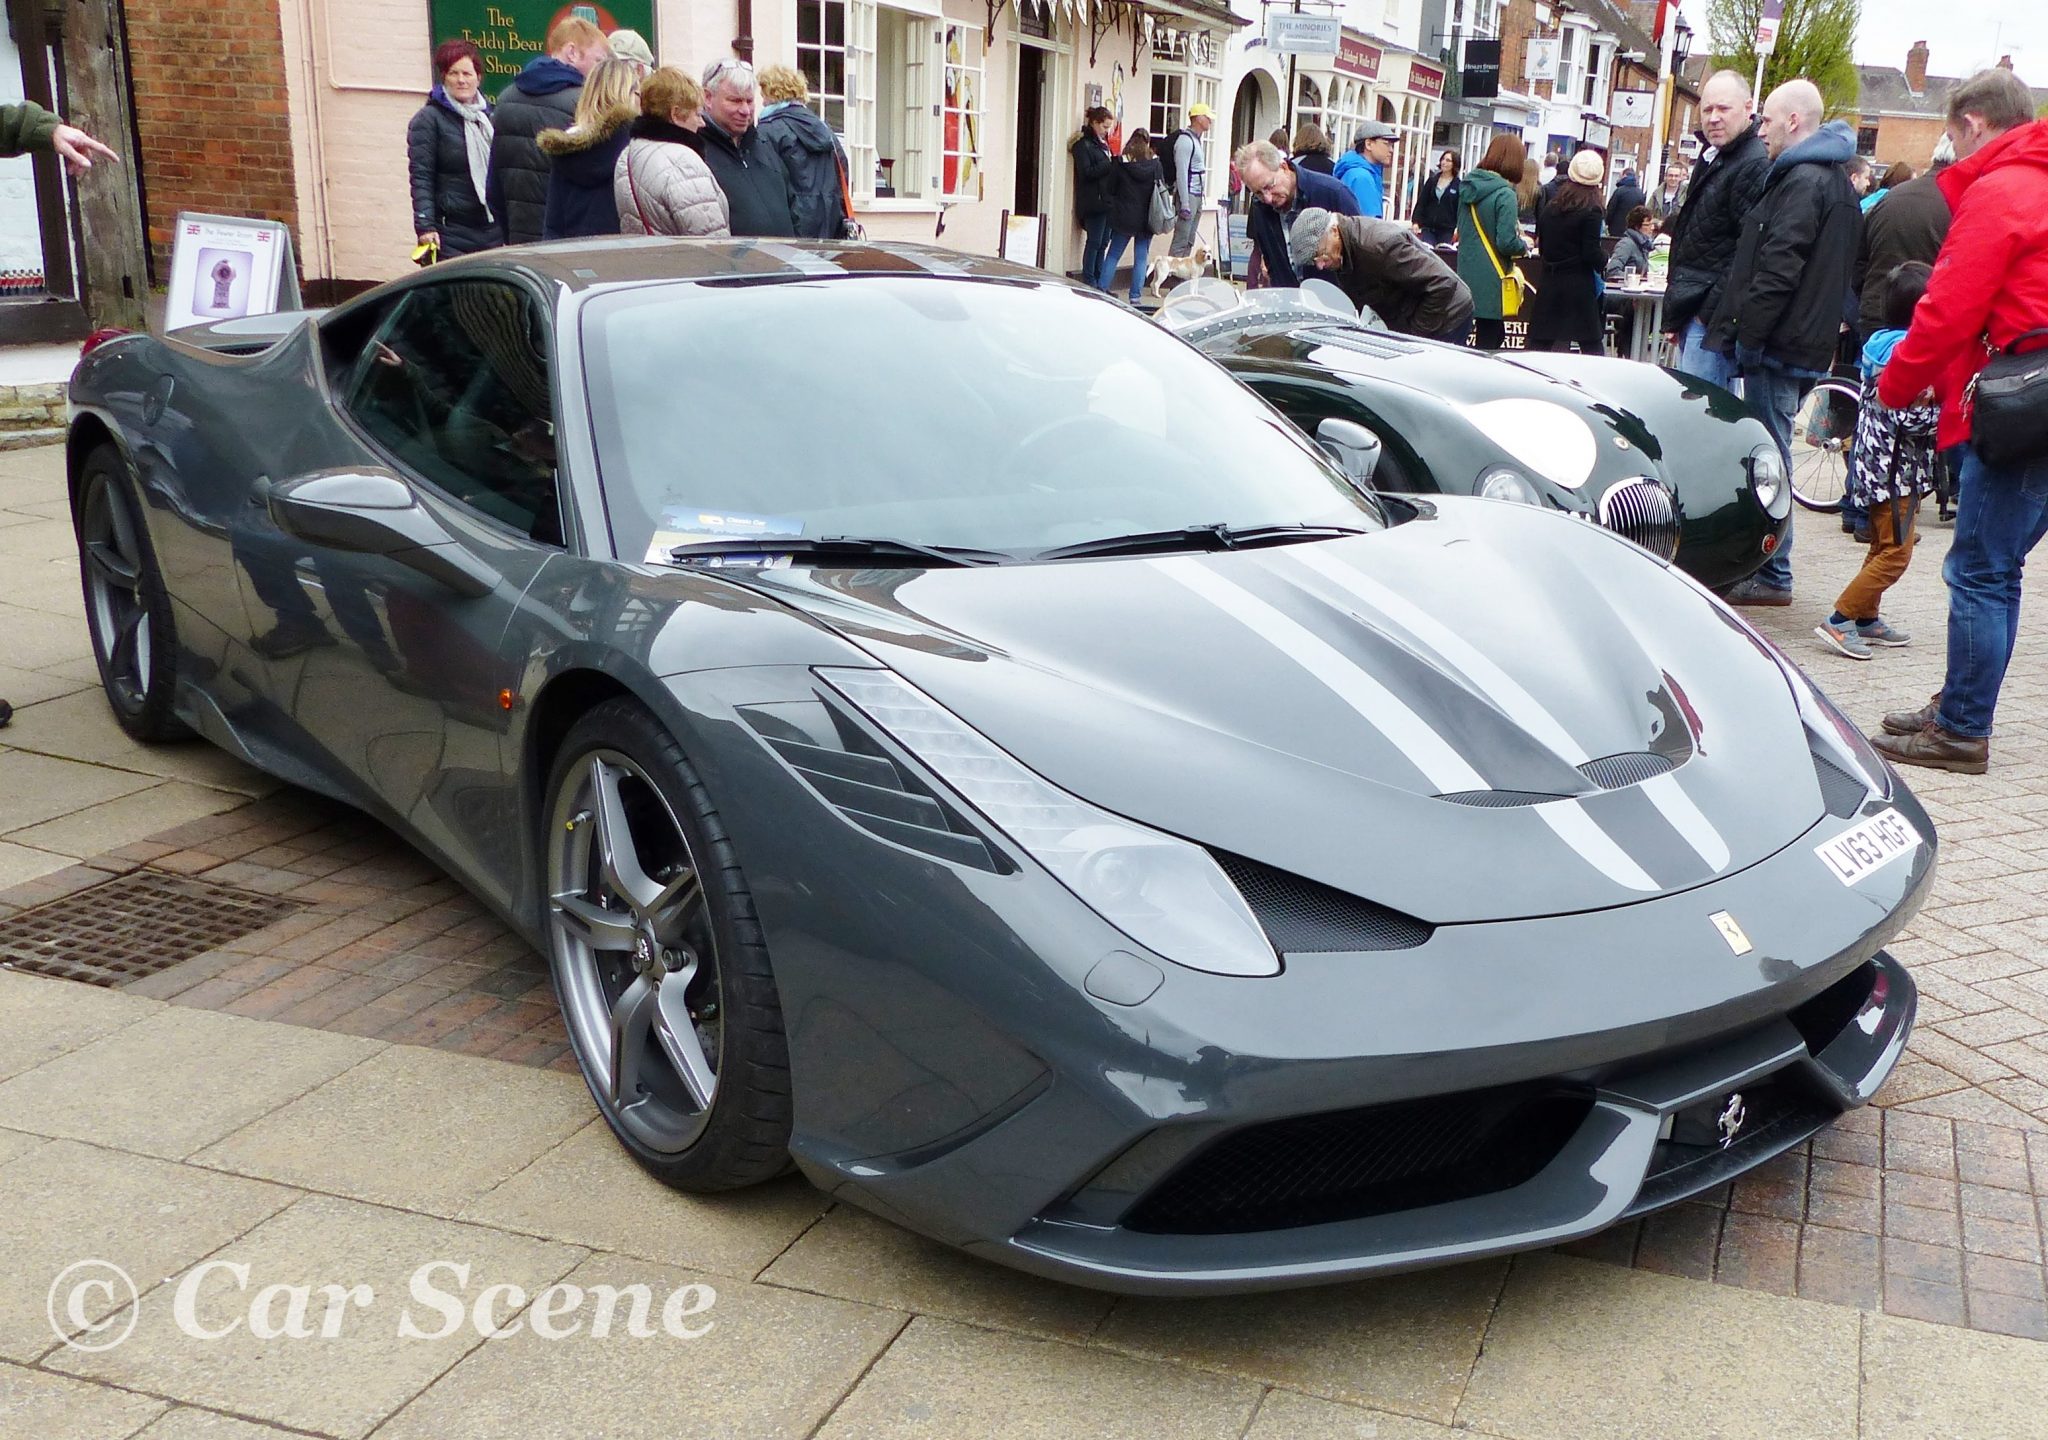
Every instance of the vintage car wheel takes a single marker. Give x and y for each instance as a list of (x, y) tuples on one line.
[(658, 960), (1823, 433), (126, 610)]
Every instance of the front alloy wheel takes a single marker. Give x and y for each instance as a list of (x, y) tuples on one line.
[(647, 963)]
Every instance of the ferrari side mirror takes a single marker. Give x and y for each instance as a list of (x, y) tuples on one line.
[(1355, 448), (368, 511)]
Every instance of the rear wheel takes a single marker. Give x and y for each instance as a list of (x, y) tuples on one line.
[(658, 958), (1823, 436), (127, 610)]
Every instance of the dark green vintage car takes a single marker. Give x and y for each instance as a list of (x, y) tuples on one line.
[(1677, 465)]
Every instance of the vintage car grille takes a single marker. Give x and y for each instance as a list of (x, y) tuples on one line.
[(1350, 1164), (1303, 917), (1642, 510)]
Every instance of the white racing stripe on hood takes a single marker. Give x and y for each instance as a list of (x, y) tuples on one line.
[(1504, 690), (1599, 849), (1380, 707)]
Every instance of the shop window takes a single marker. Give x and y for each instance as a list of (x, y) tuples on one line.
[(1308, 104), (821, 56), (960, 142), (902, 105), (1169, 102)]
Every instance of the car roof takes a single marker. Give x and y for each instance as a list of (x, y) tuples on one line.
[(615, 260)]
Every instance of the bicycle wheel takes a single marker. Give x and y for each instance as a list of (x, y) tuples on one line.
[(1823, 433)]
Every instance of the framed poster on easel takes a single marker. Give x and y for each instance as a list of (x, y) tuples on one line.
[(224, 267), (1023, 241)]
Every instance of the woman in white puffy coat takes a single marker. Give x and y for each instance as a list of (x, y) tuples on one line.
[(662, 185)]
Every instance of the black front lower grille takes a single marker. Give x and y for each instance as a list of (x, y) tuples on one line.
[(1303, 917), (1351, 1164), (1842, 793)]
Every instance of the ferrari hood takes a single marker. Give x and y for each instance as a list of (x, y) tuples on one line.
[(1493, 713)]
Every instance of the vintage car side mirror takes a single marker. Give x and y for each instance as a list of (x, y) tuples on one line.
[(1355, 448), (370, 511)]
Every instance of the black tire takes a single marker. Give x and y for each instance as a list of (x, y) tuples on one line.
[(127, 611), (619, 771)]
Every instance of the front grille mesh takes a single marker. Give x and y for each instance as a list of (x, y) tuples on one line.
[(1842, 793), (1347, 1165), (1642, 510), (1303, 917)]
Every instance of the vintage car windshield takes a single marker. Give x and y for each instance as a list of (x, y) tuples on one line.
[(1004, 416)]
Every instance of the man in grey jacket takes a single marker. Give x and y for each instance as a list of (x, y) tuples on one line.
[(1383, 265)]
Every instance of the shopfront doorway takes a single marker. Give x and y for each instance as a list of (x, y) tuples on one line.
[(1034, 68)]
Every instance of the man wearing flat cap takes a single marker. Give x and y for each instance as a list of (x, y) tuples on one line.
[(1383, 265), (1364, 168)]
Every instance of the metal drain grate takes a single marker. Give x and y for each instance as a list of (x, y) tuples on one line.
[(132, 926)]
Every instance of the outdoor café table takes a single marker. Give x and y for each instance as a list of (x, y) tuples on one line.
[(1646, 342)]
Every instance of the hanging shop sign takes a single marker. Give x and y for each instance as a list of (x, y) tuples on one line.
[(1357, 58), (1480, 79), (511, 32)]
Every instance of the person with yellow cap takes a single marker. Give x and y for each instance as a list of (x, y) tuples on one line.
[(1188, 174)]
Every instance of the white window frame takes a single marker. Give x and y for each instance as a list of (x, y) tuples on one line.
[(972, 131), (822, 48)]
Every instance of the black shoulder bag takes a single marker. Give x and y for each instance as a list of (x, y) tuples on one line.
[(2009, 405)]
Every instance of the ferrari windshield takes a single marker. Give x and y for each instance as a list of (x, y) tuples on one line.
[(1001, 416)]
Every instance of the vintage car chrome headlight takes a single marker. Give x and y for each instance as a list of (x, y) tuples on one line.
[(1163, 892), (1767, 480), (1503, 483)]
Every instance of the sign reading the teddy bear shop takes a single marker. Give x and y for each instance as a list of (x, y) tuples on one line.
[(511, 32)]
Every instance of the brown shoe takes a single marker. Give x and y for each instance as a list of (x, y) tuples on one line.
[(1936, 749), (1912, 722)]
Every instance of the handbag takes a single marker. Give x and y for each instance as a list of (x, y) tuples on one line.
[(2008, 404), (1514, 285), (1165, 213)]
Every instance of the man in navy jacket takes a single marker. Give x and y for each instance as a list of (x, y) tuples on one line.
[(1283, 192)]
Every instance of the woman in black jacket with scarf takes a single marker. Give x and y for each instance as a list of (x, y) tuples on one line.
[(448, 154), (1436, 203)]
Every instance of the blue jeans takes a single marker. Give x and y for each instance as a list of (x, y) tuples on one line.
[(1694, 358), (2000, 516), (1141, 253), (1096, 228), (1774, 395)]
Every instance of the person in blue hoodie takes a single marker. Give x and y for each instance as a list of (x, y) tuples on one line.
[(1780, 313), (1895, 467), (1364, 167), (542, 97)]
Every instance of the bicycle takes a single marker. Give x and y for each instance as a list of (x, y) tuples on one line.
[(1823, 436)]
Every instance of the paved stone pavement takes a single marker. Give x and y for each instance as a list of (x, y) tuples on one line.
[(313, 1100)]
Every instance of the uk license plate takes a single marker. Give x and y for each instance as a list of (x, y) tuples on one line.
[(1869, 847)]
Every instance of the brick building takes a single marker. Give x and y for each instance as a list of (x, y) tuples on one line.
[(1901, 110), (213, 111)]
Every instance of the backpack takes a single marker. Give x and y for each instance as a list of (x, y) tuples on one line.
[(1170, 156), (1165, 211)]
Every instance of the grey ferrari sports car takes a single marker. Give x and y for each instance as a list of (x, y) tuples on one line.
[(948, 734), (1678, 465)]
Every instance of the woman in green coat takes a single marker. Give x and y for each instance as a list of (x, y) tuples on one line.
[(1487, 198)]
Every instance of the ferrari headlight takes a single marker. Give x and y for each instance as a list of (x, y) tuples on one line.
[(1163, 892), (1767, 480), (1501, 483)]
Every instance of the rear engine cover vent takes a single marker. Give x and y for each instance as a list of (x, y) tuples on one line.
[(1302, 917), (132, 926), (853, 773)]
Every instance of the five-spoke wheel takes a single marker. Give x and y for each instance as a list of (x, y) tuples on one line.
[(644, 951), (126, 611)]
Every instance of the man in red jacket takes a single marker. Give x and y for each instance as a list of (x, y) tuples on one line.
[(1990, 286)]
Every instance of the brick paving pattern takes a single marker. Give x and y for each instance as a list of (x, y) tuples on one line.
[(1932, 1204)]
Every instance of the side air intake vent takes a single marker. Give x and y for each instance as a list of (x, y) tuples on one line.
[(1499, 799), (853, 773), (1302, 917), (1618, 772)]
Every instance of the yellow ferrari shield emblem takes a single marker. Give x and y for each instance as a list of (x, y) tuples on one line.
[(1731, 932)]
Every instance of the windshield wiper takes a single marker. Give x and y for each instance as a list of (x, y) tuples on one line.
[(1197, 537), (878, 548)]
